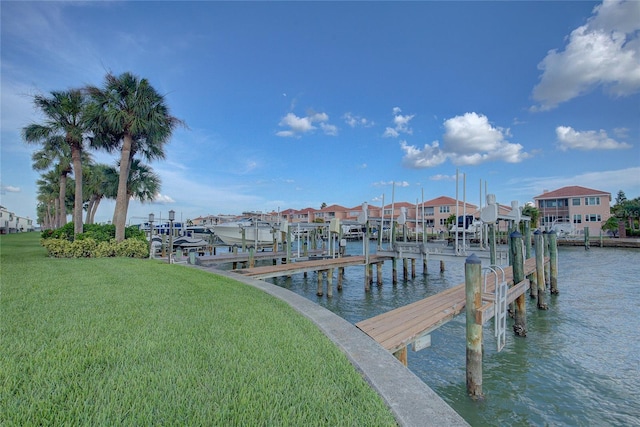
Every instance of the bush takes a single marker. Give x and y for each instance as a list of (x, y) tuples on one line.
[(132, 248), (57, 248), (90, 248), (97, 232)]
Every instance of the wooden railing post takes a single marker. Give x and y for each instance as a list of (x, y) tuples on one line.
[(473, 290)]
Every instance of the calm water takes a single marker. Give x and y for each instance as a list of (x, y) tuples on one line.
[(578, 365)]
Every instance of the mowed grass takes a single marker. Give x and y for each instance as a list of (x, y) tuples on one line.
[(140, 342)]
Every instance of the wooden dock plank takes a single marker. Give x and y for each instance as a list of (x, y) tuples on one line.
[(267, 271), (398, 328)]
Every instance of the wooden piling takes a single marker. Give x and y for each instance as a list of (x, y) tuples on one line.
[(520, 323), (370, 274), (413, 268), (367, 282), (330, 283), (405, 269), (401, 355), (553, 262), (394, 270), (340, 277), (586, 238), (473, 292), (441, 266), (539, 242), (379, 273), (547, 267), (424, 264), (319, 287), (492, 244)]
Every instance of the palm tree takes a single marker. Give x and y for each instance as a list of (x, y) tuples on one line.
[(65, 117), (55, 154), (49, 202), (101, 181), (143, 183), (129, 114)]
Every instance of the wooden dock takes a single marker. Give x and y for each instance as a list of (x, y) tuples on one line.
[(268, 271), (398, 328), (244, 257)]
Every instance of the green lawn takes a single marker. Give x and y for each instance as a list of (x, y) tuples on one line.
[(118, 341)]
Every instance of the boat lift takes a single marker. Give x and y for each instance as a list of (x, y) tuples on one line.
[(499, 299)]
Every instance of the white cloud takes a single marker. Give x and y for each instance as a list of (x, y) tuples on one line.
[(357, 121), (401, 124), (301, 125), (429, 156), (568, 139), (603, 52), (468, 140), (440, 177), (163, 199), (9, 189), (386, 183)]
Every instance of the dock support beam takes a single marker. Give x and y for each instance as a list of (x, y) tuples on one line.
[(520, 324), (473, 290), (379, 273), (401, 355)]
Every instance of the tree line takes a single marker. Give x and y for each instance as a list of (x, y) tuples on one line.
[(126, 116)]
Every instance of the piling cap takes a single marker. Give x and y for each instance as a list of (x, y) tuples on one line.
[(552, 232), (516, 234), (537, 232), (473, 259)]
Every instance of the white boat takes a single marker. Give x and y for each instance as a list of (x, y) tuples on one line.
[(256, 233)]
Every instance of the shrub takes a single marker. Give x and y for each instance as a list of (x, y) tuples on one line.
[(132, 248), (90, 248), (57, 248), (84, 248)]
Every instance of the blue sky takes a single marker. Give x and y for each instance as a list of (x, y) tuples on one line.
[(292, 104)]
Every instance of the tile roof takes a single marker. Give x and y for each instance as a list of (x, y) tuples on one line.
[(571, 191)]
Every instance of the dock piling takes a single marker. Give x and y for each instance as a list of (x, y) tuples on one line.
[(520, 323), (553, 262), (473, 292), (539, 242)]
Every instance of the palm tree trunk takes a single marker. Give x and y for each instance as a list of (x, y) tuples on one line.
[(62, 197), (94, 209), (120, 213), (78, 200), (87, 217)]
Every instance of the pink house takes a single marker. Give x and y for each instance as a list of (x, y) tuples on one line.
[(576, 207)]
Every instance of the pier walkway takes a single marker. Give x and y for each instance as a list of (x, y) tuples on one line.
[(398, 328), (268, 271)]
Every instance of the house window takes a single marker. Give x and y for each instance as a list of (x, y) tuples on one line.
[(592, 201), (577, 219), (444, 209), (575, 201), (592, 218), (443, 221), (429, 223), (428, 211), (388, 212)]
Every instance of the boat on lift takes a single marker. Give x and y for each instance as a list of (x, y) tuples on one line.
[(257, 233)]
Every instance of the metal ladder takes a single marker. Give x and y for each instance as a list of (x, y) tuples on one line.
[(500, 305)]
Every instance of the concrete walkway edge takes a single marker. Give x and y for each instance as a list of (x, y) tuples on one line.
[(412, 402)]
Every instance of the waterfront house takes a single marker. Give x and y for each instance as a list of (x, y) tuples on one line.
[(571, 209), (12, 223)]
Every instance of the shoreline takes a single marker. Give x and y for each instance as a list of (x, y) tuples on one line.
[(607, 242)]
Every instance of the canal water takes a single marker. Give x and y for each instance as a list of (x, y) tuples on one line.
[(578, 366)]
